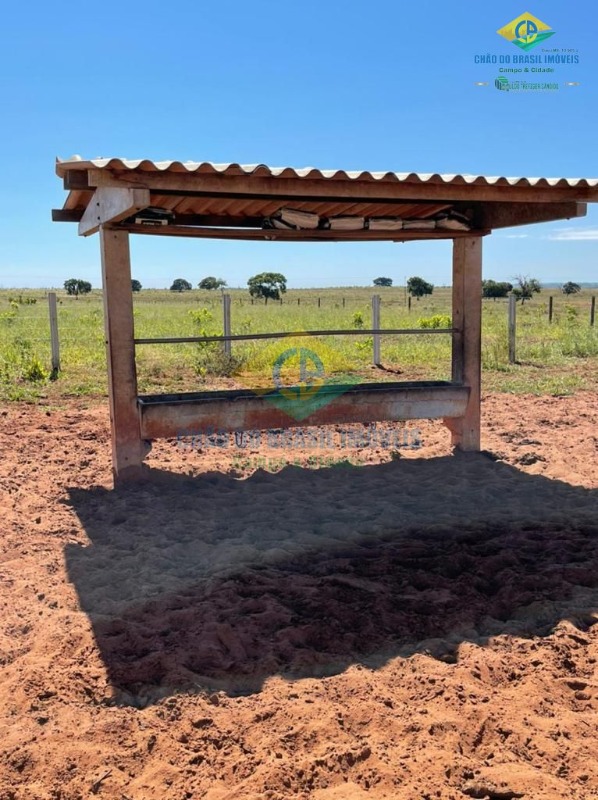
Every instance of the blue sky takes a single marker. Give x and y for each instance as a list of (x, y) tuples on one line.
[(379, 86)]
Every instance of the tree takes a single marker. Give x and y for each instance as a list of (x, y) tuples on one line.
[(135, 286), (269, 285), (496, 289), (211, 283), (382, 281), (527, 288), (571, 288), (75, 286), (181, 285), (418, 287)]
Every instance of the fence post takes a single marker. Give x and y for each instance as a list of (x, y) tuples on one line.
[(226, 322), (376, 326), (343, 302), (409, 303), (550, 309), (318, 302), (512, 327), (54, 333), (592, 310)]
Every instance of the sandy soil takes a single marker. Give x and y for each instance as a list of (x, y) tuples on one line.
[(420, 626)]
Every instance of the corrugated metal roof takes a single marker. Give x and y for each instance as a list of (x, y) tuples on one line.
[(261, 170)]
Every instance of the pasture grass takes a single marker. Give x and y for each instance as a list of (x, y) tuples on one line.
[(555, 358)]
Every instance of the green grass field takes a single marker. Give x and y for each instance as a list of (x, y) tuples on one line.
[(553, 358)]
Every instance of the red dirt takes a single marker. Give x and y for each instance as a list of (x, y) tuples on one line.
[(422, 627)]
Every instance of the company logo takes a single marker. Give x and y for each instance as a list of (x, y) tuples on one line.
[(505, 85), (300, 383), (526, 31)]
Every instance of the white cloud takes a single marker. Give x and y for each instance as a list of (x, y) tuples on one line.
[(574, 235), (517, 236)]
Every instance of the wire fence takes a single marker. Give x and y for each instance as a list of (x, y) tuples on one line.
[(72, 331)]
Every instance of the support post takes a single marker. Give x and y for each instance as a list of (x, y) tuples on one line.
[(593, 310), (467, 339), (226, 322), (550, 309), (54, 333), (376, 326), (128, 449)]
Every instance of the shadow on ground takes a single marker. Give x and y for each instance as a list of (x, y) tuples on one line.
[(219, 583)]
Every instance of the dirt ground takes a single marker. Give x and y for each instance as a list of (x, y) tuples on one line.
[(420, 625)]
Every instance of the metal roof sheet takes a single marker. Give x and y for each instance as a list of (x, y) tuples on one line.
[(262, 170)]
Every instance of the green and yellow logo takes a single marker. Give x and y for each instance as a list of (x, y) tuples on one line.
[(300, 383), (526, 31)]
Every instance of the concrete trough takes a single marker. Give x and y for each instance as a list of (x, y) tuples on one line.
[(167, 416)]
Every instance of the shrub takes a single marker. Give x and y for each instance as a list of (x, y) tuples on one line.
[(357, 321), (366, 345), (571, 313), (34, 371), (211, 358), (437, 321)]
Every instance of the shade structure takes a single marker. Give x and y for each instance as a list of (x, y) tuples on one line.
[(206, 196), (117, 197)]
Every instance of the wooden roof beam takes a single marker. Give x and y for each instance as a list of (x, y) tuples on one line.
[(76, 179), (110, 205), (507, 215), (66, 215), (288, 189), (280, 235), (210, 220)]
